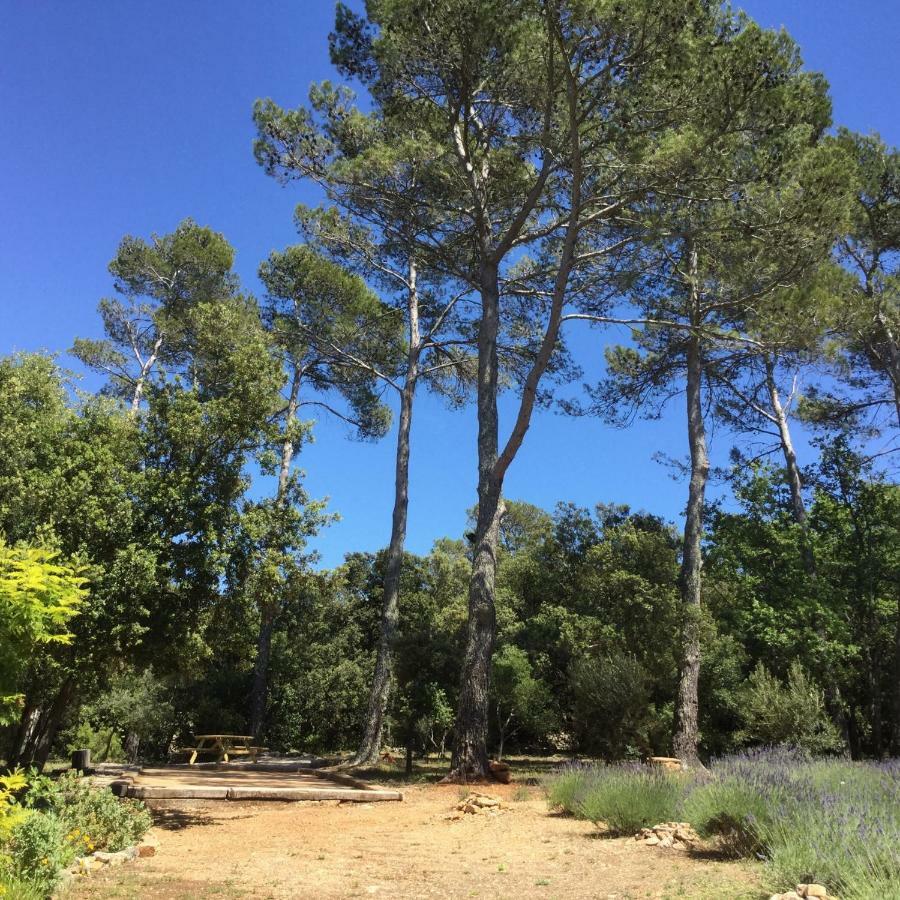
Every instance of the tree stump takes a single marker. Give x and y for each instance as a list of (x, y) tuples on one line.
[(81, 760)]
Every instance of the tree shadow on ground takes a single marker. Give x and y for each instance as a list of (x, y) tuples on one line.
[(178, 819), (525, 770)]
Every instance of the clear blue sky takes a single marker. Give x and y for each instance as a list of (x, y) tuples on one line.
[(125, 117)]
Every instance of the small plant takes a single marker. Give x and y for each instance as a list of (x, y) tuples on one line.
[(521, 794), (10, 811)]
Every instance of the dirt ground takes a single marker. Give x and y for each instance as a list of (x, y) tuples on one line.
[(408, 849)]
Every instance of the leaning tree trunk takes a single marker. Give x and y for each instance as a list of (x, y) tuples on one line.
[(37, 747), (798, 513), (370, 743), (798, 507), (687, 728), (469, 760), (268, 606)]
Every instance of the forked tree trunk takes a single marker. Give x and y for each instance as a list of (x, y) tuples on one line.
[(370, 742), (146, 368), (469, 760), (687, 728), (268, 606)]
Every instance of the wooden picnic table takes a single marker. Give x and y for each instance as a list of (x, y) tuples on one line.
[(223, 745)]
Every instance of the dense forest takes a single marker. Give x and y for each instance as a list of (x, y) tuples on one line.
[(667, 167)]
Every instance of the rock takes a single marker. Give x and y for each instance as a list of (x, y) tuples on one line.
[(84, 865), (146, 850), (678, 835), (669, 763), (812, 890), (117, 858), (479, 803)]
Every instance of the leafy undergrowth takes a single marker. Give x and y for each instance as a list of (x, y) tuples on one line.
[(57, 821), (830, 821)]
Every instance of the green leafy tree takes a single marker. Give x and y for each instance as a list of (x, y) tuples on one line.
[(157, 283), (714, 264), (39, 594), (519, 699), (862, 292), (324, 321)]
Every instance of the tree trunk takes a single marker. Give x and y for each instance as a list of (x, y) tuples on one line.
[(37, 747), (895, 737), (798, 511), (259, 690), (28, 722), (370, 743), (268, 607), (470, 760), (687, 729), (798, 507), (146, 368)]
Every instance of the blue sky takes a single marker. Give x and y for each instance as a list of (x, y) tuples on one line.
[(126, 117)]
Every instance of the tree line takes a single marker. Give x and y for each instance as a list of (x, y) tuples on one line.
[(517, 171)]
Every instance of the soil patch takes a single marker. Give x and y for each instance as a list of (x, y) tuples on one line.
[(411, 849)]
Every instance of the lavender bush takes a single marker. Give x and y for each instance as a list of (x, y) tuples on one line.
[(826, 820), (624, 797)]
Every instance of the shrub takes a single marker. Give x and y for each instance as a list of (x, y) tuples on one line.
[(628, 798), (729, 810), (10, 811), (611, 700), (566, 787), (108, 822), (38, 851), (832, 822), (62, 820), (790, 713), (104, 743), (624, 797)]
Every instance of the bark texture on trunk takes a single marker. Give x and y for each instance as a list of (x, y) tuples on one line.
[(259, 691), (470, 761), (795, 483), (895, 737), (379, 695), (146, 368), (39, 740), (687, 728), (268, 607)]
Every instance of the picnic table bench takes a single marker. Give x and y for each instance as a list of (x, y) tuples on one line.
[(224, 746)]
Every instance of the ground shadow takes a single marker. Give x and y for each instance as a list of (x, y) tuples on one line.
[(178, 819)]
